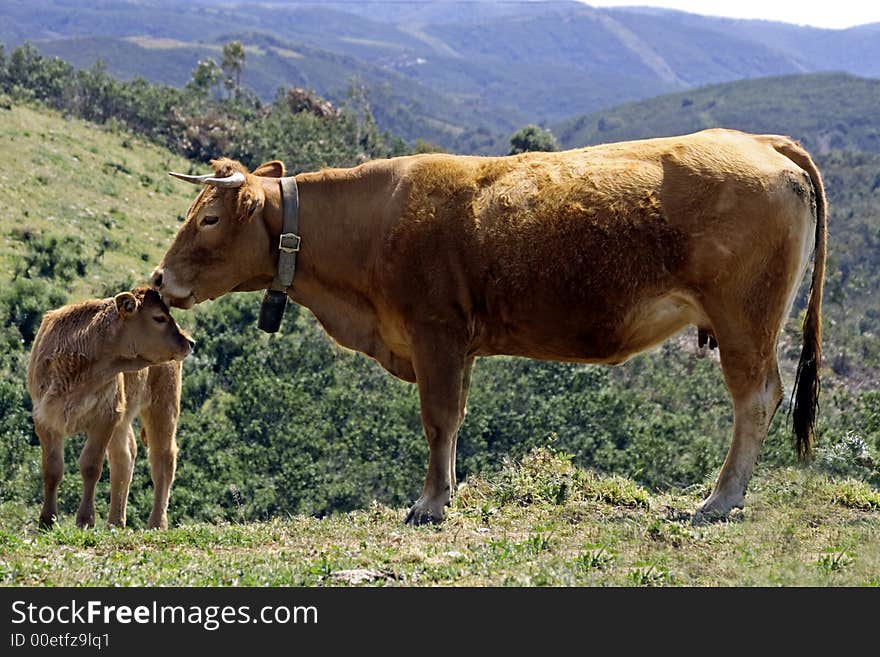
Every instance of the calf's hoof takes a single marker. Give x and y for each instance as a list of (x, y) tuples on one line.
[(84, 521), (158, 523), (424, 512)]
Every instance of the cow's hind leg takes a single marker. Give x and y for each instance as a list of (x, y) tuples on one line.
[(160, 427), (121, 453), (52, 446), (755, 402), (747, 342), (439, 364)]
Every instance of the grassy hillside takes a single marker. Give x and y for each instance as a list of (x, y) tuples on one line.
[(538, 523), (108, 192)]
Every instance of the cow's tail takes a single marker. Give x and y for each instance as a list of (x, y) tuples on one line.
[(805, 396)]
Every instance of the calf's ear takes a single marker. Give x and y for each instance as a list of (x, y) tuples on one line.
[(126, 304), (273, 169)]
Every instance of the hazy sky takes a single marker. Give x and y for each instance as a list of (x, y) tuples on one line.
[(830, 13)]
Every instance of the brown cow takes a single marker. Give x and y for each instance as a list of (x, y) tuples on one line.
[(94, 366), (591, 255)]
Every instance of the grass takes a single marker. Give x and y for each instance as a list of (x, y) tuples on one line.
[(798, 529), (68, 178)]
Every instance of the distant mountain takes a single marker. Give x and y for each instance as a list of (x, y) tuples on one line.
[(463, 74), (828, 111), (855, 50)]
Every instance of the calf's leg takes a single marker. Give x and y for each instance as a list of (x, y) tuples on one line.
[(52, 446), (160, 426), (91, 463), (121, 453)]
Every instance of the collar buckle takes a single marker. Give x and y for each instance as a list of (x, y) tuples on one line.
[(289, 242)]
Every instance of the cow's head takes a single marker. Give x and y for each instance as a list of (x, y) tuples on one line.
[(147, 330), (223, 245)]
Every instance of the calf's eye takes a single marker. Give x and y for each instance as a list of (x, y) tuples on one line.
[(210, 220)]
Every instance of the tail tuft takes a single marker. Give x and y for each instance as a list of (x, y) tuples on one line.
[(805, 399)]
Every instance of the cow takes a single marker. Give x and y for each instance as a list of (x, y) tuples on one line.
[(93, 367), (591, 255)]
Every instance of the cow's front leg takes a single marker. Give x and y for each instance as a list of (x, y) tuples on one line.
[(439, 364), (462, 413)]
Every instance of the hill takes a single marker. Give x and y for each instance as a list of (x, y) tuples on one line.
[(808, 107), (465, 73), (540, 522), (107, 193)]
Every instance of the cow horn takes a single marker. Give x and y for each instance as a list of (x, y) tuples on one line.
[(235, 180)]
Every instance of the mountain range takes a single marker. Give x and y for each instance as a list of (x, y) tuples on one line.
[(461, 74)]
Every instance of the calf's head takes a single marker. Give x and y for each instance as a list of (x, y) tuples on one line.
[(223, 245), (147, 330)]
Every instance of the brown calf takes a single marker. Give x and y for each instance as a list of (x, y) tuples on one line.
[(93, 367), (590, 255)]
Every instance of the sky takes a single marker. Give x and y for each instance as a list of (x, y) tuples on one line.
[(830, 13)]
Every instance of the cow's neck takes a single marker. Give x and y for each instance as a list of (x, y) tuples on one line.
[(341, 221), (333, 225)]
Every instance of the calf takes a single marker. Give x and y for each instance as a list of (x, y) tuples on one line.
[(95, 365)]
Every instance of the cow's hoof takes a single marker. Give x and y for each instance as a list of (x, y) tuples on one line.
[(701, 517), (716, 508), (47, 522), (424, 512)]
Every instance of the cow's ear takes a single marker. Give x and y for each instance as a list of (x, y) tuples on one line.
[(252, 208), (126, 304), (273, 169), (250, 202)]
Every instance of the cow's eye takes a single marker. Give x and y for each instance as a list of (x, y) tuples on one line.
[(160, 319), (210, 220)]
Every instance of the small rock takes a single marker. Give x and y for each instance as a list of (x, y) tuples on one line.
[(359, 575), (455, 554)]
